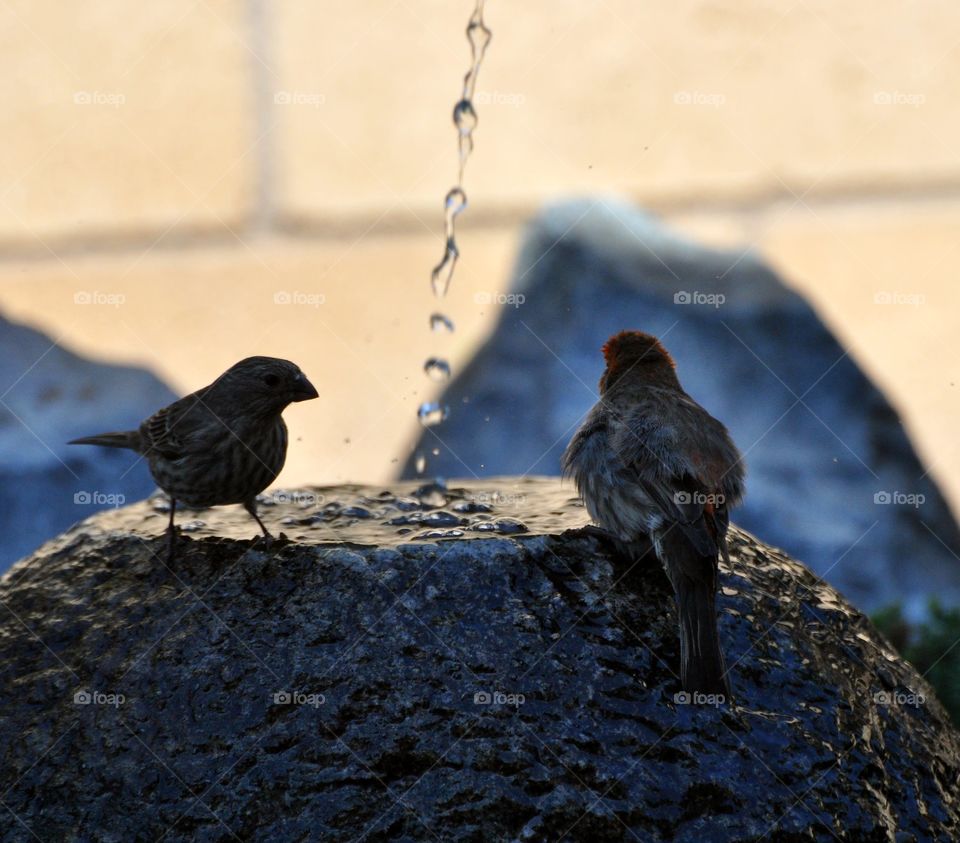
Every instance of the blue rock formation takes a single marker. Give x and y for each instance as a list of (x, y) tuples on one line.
[(49, 395), (832, 475)]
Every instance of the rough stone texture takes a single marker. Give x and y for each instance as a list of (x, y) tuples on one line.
[(821, 441), (826, 737), (49, 395)]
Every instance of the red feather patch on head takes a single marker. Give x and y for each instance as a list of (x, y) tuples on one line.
[(631, 345)]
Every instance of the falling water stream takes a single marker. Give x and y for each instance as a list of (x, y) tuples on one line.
[(437, 368)]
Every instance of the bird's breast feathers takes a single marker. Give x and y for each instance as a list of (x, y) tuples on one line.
[(231, 464)]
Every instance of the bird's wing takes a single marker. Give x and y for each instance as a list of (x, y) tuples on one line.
[(669, 435), (676, 470), (647, 435), (592, 432), (685, 504), (173, 431)]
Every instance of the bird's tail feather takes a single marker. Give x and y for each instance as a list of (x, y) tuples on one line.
[(694, 579), (129, 439), (702, 668)]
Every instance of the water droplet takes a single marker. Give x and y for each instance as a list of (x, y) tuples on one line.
[(454, 202), (443, 271), (479, 37), (432, 413), (420, 463), (160, 504), (438, 321), (441, 534), (437, 369), (192, 526), (436, 452), (507, 526), (464, 117), (442, 519)]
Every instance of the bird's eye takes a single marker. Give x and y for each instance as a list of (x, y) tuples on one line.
[(271, 379)]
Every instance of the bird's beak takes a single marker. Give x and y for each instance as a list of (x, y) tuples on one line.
[(303, 390)]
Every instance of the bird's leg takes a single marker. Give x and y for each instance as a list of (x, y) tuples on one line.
[(251, 507), (171, 533)]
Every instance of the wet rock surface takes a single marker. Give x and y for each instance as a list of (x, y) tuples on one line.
[(832, 475), (365, 684)]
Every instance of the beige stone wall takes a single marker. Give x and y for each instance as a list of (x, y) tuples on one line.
[(199, 156)]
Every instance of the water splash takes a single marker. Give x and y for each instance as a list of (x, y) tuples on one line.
[(455, 202)]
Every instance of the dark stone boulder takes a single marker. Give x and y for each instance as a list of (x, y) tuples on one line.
[(442, 665), (49, 395), (833, 477)]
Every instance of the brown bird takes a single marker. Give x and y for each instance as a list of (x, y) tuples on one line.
[(649, 461), (222, 444)]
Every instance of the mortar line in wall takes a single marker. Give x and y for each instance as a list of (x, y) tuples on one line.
[(319, 228)]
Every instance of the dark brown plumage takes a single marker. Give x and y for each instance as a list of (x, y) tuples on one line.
[(649, 461), (223, 444)]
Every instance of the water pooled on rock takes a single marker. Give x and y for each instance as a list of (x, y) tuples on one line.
[(361, 515)]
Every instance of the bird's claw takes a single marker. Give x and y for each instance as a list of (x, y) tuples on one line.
[(590, 531)]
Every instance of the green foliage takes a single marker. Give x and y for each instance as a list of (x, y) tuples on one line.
[(933, 648)]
